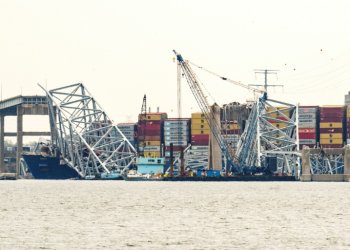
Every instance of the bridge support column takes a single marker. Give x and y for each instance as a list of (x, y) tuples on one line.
[(2, 143), (347, 163), (306, 166), (19, 138)]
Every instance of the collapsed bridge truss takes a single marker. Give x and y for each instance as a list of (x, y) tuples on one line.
[(86, 137)]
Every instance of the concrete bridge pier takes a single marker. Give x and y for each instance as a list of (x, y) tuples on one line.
[(2, 144)]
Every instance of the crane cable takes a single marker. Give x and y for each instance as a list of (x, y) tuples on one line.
[(227, 79)]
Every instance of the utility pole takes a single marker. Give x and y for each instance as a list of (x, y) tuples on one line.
[(266, 72)]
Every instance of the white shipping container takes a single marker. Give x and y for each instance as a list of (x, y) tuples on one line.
[(175, 123), (307, 125), (200, 148), (126, 127), (184, 128), (310, 116), (151, 148), (176, 143), (175, 138), (178, 134), (307, 110), (307, 141)]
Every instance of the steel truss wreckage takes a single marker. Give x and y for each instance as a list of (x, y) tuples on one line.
[(86, 137)]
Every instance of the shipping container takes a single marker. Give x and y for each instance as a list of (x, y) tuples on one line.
[(307, 141), (153, 116), (152, 143), (307, 130), (331, 136), (151, 148), (331, 141), (306, 116), (175, 132), (197, 115), (230, 126), (200, 132), (330, 130), (331, 145), (173, 123), (331, 124), (229, 132), (176, 138), (199, 122), (152, 138), (200, 126), (329, 119), (176, 143), (307, 135), (307, 125), (151, 154)]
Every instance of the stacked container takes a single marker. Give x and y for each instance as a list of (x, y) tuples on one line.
[(177, 132), (276, 115), (307, 118), (129, 131), (231, 132), (331, 126), (200, 130), (348, 125), (149, 129)]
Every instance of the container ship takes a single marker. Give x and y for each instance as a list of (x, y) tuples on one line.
[(43, 164)]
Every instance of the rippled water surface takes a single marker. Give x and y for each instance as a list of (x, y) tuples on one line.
[(173, 215)]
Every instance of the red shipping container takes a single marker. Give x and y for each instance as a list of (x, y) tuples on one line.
[(150, 133), (149, 127), (307, 135), (331, 119), (330, 130), (149, 122), (307, 145), (332, 109), (200, 137)]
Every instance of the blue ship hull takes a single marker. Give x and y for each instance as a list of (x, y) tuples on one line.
[(49, 168)]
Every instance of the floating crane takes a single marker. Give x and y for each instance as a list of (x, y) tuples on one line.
[(203, 103), (262, 142)]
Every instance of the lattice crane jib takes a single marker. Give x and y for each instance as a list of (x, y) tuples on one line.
[(203, 103), (85, 135)]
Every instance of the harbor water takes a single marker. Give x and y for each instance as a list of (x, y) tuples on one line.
[(173, 215)]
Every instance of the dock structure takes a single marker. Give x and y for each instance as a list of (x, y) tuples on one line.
[(20, 106)]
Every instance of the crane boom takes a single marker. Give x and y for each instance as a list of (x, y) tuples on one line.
[(205, 108), (229, 80)]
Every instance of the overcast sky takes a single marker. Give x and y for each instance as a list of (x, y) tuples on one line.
[(122, 50)]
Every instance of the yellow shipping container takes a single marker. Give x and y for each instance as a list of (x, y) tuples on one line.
[(199, 121), (331, 141), (348, 112), (151, 154), (200, 131), (230, 126), (280, 125), (275, 114), (331, 125), (152, 143), (331, 136), (197, 115), (202, 126), (153, 117)]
